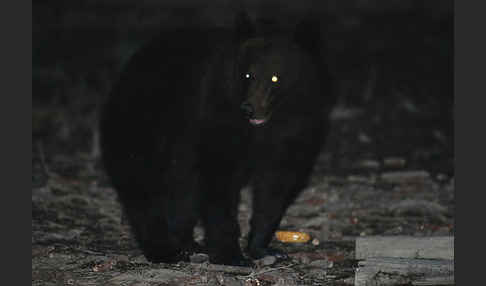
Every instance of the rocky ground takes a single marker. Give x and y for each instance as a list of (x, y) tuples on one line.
[(387, 168), (79, 236)]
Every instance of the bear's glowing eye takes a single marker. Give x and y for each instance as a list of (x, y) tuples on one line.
[(274, 78), (247, 75)]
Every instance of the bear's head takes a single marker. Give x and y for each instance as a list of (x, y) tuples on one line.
[(274, 67)]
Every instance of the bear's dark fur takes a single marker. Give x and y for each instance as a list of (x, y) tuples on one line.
[(197, 115)]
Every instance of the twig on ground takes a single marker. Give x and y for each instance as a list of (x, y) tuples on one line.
[(254, 274)]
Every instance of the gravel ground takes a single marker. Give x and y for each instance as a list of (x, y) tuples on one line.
[(79, 236)]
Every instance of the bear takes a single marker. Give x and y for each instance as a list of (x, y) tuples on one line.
[(196, 115)]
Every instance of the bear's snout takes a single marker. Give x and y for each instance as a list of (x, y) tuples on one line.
[(248, 109)]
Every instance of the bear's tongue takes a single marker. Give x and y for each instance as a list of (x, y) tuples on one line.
[(257, 121)]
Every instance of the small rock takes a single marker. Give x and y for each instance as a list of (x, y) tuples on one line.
[(267, 260), (441, 177), (419, 208), (41, 250), (305, 211), (105, 266), (318, 273), (342, 113), (304, 259), (320, 263), (349, 281), (364, 138), (122, 259), (315, 242), (357, 179), (243, 207), (140, 259), (394, 231), (252, 282), (369, 164), (394, 162), (204, 279), (316, 222), (199, 258), (220, 279), (408, 105), (404, 176)]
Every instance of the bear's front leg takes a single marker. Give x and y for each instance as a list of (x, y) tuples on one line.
[(273, 192), (277, 180), (221, 185), (219, 215)]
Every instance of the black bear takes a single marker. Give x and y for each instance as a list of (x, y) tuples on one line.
[(198, 114)]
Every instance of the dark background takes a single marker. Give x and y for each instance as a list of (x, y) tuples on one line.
[(393, 59)]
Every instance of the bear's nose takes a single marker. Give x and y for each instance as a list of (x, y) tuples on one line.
[(247, 109)]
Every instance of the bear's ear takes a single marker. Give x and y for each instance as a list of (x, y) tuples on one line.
[(244, 28), (307, 35)]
